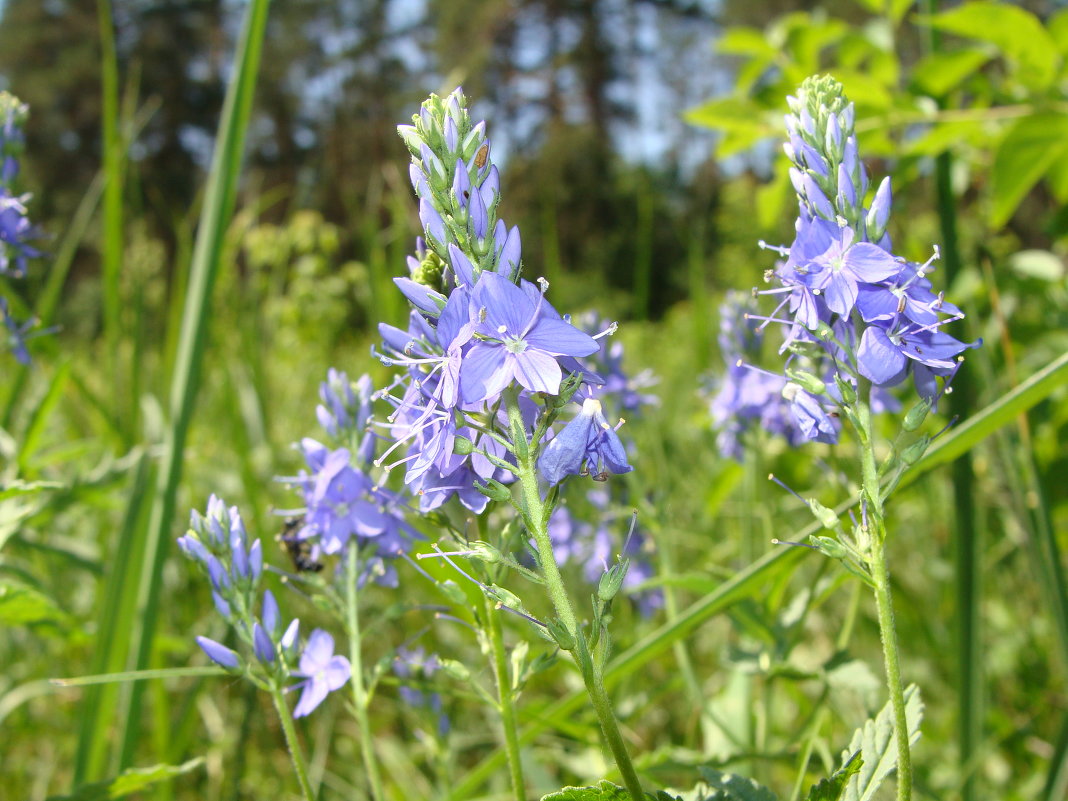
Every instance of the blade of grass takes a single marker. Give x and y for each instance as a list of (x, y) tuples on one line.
[(218, 208), (114, 168)]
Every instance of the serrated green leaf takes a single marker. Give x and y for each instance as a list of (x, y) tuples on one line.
[(129, 781), (21, 605), (1028, 151), (939, 73), (1015, 32), (878, 748), (604, 791), (831, 788), (733, 787)]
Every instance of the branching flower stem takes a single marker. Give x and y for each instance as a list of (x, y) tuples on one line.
[(300, 767), (536, 518), (880, 574), (359, 692)]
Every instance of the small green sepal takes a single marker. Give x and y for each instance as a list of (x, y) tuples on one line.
[(915, 451), (494, 490), (827, 517), (846, 390), (808, 382), (560, 635), (462, 446)]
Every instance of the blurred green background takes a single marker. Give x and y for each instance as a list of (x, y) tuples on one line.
[(639, 148)]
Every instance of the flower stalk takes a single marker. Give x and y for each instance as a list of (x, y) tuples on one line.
[(300, 766), (591, 665), (880, 574), (505, 698), (359, 692)]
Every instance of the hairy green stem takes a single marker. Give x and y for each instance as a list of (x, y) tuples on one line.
[(359, 692), (505, 698), (590, 667), (884, 603), (299, 765)]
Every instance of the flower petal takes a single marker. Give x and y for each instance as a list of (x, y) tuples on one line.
[(486, 370), (878, 359), (538, 371)]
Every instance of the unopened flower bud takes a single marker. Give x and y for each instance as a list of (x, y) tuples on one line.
[(915, 451), (220, 654), (916, 415), (611, 580), (462, 446)]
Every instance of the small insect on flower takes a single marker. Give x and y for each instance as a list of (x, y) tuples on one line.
[(300, 550), (481, 156)]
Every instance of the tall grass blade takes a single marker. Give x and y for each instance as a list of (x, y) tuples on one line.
[(114, 169), (218, 208)]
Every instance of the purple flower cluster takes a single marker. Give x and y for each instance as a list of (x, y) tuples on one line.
[(477, 329), (218, 542), (846, 297), (341, 499), (748, 398), (16, 230)]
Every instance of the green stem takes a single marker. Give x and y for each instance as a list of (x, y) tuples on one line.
[(591, 668), (299, 765), (359, 692), (505, 697), (883, 601)]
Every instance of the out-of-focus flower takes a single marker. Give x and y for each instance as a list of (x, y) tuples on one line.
[(322, 670)]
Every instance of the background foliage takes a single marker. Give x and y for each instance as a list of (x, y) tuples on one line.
[(623, 206)]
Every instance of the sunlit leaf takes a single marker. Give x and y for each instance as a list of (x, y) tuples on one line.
[(831, 788), (937, 74), (733, 787), (1028, 151), (1015, 32)]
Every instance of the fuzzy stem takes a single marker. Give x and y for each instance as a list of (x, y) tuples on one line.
[(292, 744), (359, 692), (884, 603), (505, 698), (591, 669)]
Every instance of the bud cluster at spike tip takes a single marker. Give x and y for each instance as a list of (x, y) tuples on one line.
[(844, 295), (16, 230)]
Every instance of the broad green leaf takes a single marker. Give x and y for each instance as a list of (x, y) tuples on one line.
[(878, 748), (128, 782), (1017, 33), (21, 605), (732, 787), (938, 74), (831, 788), (605, 791), (1028, 151), (1039, 264)]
